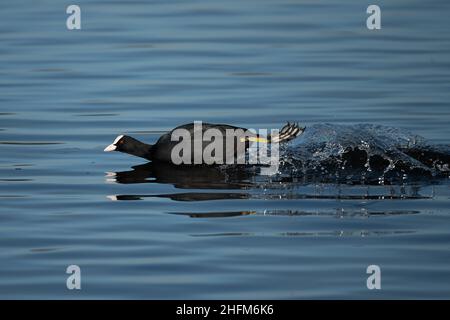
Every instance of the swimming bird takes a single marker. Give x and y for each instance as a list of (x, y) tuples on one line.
[(162, 149)]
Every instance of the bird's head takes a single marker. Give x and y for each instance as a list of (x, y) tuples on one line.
[(124, 143), (117, 145), (129, 145)]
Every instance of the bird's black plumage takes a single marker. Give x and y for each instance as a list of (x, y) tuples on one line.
[(162, 149)]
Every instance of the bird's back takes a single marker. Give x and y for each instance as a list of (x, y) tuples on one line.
[(162, 150)]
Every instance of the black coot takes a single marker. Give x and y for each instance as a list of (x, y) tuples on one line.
[(162, 149)]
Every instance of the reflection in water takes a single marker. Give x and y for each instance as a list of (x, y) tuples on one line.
[(13, 196), (208, 196), (339, 213), (97, 115), (188, 196), (249, 185), (336, 233), (186, 177), (225, 214), (43, 250)]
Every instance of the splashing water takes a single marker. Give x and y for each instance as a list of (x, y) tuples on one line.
[(365, 152)]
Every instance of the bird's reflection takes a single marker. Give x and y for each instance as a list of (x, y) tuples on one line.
[(332, 233), (187, 177), (207, 183), (363, 213), (185, 196)]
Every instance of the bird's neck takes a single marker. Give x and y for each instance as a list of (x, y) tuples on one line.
[(142, 150)]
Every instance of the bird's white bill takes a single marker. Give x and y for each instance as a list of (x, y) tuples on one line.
[(111, 147), (110, 174)]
